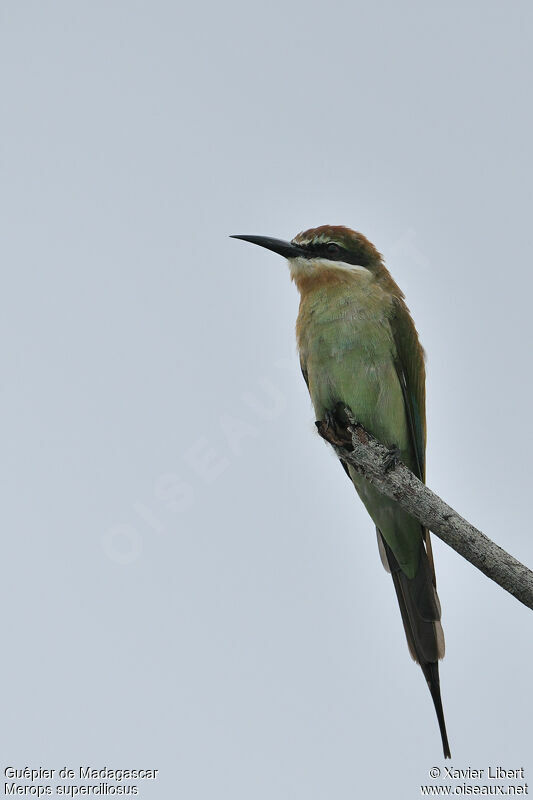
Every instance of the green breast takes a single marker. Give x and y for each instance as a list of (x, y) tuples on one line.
[(347, 349)]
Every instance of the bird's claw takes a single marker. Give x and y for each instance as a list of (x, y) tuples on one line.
[(329, 421), (392, 458), (332, 432)]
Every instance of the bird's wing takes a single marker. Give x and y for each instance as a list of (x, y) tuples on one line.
[(412, 376), (304, 373)]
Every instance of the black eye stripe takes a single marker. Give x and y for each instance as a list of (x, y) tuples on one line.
[(322, 250), (333, 251)]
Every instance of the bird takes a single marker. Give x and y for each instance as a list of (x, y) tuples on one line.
[(359, 350)]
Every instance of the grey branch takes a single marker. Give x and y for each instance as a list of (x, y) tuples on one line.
[(384, 470)]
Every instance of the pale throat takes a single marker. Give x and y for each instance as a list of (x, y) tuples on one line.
[(308, 267)]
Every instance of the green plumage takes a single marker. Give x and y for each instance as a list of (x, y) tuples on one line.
[(359, 348), (348, 351)]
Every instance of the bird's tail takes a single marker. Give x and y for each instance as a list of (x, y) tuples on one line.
[(420, 610)]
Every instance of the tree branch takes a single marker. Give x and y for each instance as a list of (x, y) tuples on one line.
[(383, 469)]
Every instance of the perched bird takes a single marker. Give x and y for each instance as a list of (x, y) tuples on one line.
[(359, 348)]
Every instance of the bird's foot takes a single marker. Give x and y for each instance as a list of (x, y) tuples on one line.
[(392, 458), (330, 421), (332, 432)]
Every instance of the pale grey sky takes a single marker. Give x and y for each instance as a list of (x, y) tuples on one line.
[(223, 616)]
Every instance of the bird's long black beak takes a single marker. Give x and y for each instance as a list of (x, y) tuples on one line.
[(286, 249)]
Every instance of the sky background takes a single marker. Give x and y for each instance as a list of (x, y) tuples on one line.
[(188, 582)]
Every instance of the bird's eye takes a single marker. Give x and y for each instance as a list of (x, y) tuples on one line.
[(333, 248)]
